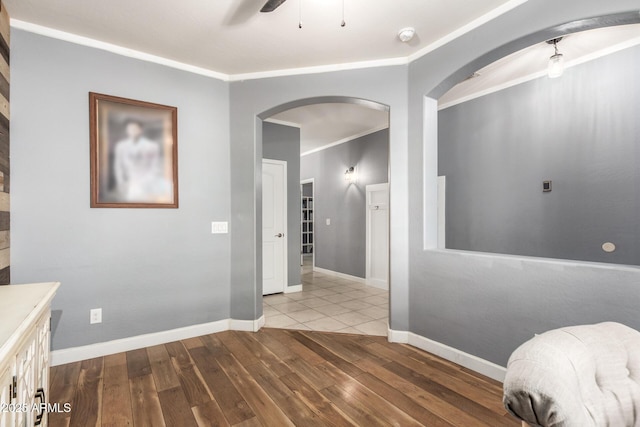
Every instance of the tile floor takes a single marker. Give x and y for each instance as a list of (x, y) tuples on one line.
[(329, 304)]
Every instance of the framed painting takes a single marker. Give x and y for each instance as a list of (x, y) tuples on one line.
[(134, 153)]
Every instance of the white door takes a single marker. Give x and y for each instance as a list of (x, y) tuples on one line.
[(274, 225), (378, 235)]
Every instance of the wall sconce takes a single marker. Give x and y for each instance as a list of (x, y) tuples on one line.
[(556, 62), (350, 174)]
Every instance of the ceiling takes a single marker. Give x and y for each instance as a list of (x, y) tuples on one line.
[(323, 125), (532, 62), (232, 37)]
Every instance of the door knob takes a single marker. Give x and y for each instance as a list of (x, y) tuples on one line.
[(280, 235)]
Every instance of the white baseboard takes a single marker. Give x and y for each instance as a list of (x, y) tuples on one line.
[(246, 325), (401, 337), (292, 289), (454, 355), (379, 284), (340, 275), (75, 354)]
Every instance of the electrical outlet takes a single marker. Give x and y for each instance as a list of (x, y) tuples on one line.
[(95, 316)]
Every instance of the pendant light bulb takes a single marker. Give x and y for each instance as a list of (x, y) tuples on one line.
[(556, 61)]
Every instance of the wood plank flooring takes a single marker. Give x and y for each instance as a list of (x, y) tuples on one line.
[(275, 377)]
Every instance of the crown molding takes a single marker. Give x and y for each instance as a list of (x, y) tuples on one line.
[(347, 139), (489, 16), (386, 62), (118, 50)]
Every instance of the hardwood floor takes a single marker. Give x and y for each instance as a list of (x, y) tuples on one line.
[(275, 378)]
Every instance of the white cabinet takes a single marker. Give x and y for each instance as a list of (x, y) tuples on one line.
[(25, 312)]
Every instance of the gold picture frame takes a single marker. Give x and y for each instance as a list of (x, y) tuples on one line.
[(134, 153)]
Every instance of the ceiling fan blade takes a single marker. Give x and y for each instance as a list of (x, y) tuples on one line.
[(271, 5)]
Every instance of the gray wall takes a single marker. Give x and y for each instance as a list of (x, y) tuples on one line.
[(384, 85), (341, 246), (283, 143), (581, 131), (148, 269), (487, 305)]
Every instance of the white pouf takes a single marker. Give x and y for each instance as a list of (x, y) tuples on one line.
[(579, 376)]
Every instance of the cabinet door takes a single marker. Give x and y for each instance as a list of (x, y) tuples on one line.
[(41, 365), (7, 417), (25, 369)]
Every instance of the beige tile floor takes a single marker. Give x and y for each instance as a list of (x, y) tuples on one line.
[(329, 304)]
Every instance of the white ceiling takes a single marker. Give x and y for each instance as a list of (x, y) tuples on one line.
[(232, 37), (532, 62), (324, 125)]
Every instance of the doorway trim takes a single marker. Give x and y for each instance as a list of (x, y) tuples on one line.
[(313, 196), (398, 266), (368, 190)]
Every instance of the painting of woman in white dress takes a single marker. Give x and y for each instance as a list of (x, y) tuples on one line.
[(133, 153)]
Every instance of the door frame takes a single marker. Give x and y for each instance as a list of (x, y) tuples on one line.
[(369, 189), (313, 195), (284, 214)]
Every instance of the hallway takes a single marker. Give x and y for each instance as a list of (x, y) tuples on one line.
[(329, 304)]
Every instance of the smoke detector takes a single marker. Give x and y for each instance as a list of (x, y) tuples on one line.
[(406, 34)]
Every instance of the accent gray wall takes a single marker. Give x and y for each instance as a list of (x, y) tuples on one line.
[(483, 304), (283, 143), (341, 246), (149, 270), (580, 131), (385, 85)]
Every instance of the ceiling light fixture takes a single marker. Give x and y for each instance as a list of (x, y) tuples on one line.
[(406, 34), (556, 61)]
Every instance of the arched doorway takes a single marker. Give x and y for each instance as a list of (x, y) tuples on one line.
[(321, 281)]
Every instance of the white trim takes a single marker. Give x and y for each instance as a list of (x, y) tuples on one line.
[(340, 275), (347, 139), (293, 289), (581, 60), (246, 325), (75, 354), (118, 50), (429, 173), (520, 261), (376, 283), (401, 337), (442, 212), (283, 123), (451, 354), (385, 62), (489, 16)]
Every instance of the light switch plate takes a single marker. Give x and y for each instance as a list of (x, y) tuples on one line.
[(328, 221), (219, 227)]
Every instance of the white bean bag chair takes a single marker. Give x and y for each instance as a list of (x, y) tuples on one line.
[(580, 376)]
